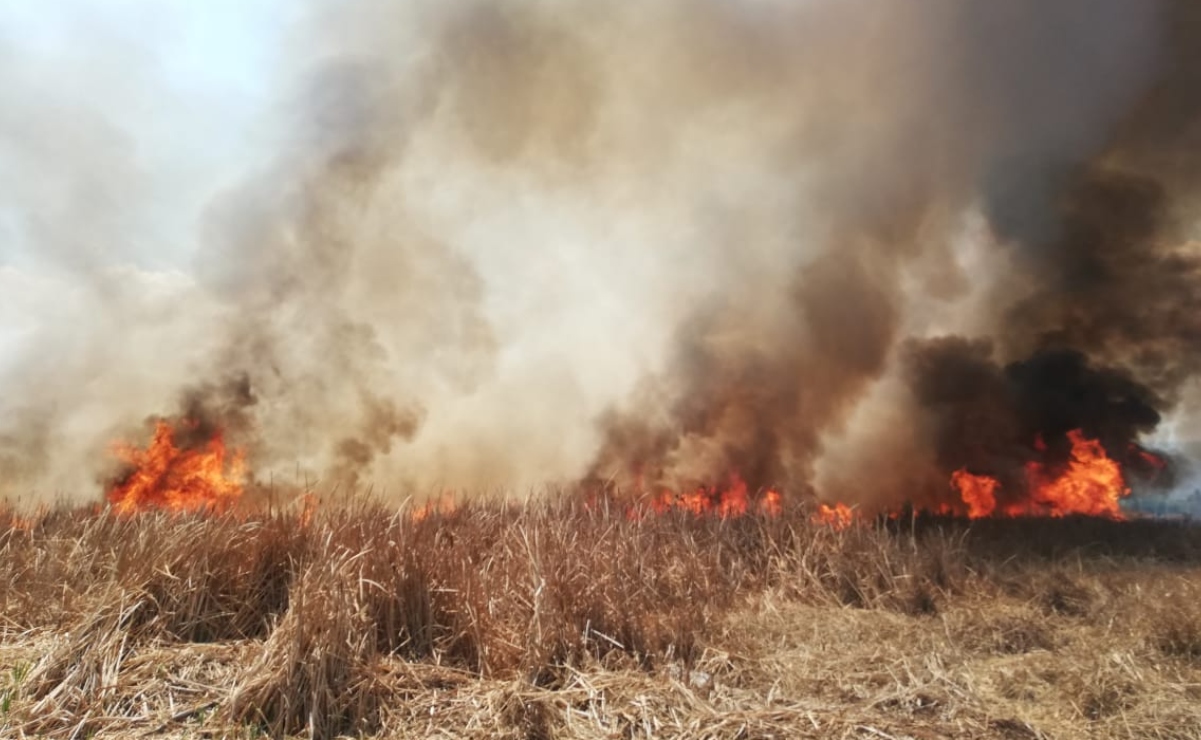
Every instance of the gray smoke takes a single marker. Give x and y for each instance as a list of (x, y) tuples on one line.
[(508, 244)]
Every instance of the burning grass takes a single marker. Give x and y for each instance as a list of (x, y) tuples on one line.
[(558, 619)]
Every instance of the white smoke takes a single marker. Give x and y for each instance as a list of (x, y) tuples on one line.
[(443, 239)]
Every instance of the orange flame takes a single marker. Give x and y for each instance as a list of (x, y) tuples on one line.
[(839, 516), (733, 501), (979, 492), (443, 505), (1092, 484), (163, 476), (12, 521), (1150, 459), (307, 504), (772, 504)]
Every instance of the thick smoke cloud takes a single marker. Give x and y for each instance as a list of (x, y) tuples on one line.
[(511, 244), (1024, 102), (991, 419), (1102, 335)]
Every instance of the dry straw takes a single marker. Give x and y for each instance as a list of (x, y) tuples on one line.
[(556, 619)]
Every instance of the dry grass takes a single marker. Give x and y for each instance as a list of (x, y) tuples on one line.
[(558, 620)]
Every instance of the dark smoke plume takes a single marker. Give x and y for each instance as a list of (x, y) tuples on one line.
[(992, 419), (1084, 114), (1104, 335)]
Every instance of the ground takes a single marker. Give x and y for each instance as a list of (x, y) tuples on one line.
[(559, 623)]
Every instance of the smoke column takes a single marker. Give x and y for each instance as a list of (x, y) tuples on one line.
[(1097, 324), (839, 247)]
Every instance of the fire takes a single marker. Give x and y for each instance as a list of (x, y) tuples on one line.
[(732, 501), (1150, 459), (979, 492), (208, 476), (307, 504), (164, 476), (442, 505), (838, 516), (11, 521), (1092, 484)]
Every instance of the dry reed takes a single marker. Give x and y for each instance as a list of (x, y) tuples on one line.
[(556, 619)]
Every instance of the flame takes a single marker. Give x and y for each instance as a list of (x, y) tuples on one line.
[(772, 504), (979, 492), (729, 502), (14, 522), (444, 504), (1150, 459), (839, 516), (163, 476), (1092, 484), (307, 504)]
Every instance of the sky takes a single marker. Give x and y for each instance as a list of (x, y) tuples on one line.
[(132, 114), (226, 43), (182, 86)]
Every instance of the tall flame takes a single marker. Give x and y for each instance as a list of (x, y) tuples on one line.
[(1092, 484), (164, 476)]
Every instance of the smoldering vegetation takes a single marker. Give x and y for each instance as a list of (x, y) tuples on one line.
[(495, 619)]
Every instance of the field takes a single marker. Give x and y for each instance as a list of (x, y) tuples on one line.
[(556, 619)]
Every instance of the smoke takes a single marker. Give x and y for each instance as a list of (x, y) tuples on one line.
[(511, 244), (1023, 102), (1101, 332)]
